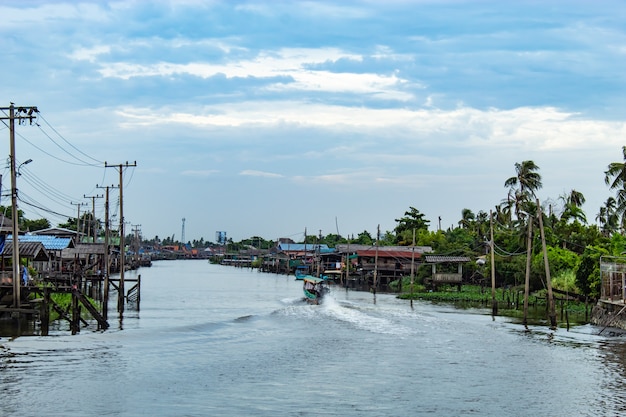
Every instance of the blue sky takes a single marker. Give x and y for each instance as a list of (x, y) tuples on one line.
[(263, 118)]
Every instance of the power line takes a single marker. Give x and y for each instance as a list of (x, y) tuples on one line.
[(66, 141)]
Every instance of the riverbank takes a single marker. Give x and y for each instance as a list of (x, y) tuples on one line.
[(510, 303)]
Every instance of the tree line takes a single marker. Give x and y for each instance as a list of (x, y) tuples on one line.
[(574, 246)]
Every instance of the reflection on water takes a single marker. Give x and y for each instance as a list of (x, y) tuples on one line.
[(222, 341)]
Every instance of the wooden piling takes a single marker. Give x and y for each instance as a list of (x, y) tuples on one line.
[(44, 315)]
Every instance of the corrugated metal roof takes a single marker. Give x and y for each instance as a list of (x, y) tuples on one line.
[(389, 253), (84, 249), (300, 247), (49, 242), (437, 259), (343, 248), (33, 250), (56, 231)]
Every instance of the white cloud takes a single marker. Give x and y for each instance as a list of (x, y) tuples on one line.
[(283, 62), (531, 128), (90, 54), (254, 173), (202, 173)]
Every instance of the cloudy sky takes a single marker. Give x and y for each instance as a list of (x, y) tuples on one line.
[(263, 118)]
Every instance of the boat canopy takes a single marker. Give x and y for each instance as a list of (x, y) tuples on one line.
[(314, 280)]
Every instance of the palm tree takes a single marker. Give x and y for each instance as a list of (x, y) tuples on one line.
[(615, 178), (482, 223), (503, 214), (527, 178), (572, 207), (467, 218), (522, 187), (607, 217)]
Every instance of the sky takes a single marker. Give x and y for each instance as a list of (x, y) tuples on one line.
[(269, 118)]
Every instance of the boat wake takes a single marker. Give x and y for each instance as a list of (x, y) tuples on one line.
[(354, 314)]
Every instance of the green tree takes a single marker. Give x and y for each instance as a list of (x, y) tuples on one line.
[(467, 218), (33, 225), (572, 207), (607, 217), (332, 240), (522, 187), (412, 220), (615, 178), (364, 238), (588, 278)]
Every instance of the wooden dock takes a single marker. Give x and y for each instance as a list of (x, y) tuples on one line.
[(87, 293)]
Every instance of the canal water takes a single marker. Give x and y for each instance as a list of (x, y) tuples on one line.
[(212, 340)]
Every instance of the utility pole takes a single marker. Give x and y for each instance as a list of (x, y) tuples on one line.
[(551, 307), (93, 216), (21, 114), (78, 205), (494, 302), (120, 295), (375, 286), (107, 266), (136, 229)]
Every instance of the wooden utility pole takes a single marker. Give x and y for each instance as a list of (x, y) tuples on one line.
[(78, 205), (93, 216), (375, 286), (494, 302), (120, 295), (412, 265), (529, 252), (318, 256), (21, 114), (551, 307), (348, 263), (107, 266), (136, 229)]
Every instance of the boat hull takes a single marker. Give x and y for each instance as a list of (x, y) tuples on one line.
[(314, 289)]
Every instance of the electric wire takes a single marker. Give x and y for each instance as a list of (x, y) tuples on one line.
[(66, 141), (83, 163), (53, 194)]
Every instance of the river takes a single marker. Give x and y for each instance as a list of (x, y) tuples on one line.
[(214, 340)]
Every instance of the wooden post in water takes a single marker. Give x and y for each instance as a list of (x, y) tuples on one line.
[(138, 291), (551, 307), (529, 251), (75, 322), (494, 302), (45, 312), (348, 263), (107, 267), (375, 286), (412, 266)]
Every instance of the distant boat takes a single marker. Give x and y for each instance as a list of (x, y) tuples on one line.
[(332, 275), (314, 289)]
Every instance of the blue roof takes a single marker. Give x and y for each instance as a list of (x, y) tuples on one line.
[(48, 242), (301, 247)]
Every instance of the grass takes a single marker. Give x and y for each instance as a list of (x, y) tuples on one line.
[(510, 301)]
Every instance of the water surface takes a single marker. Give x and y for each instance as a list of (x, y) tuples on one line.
[(212, 340)]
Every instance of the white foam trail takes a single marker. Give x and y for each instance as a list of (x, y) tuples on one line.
[(361, 319)]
